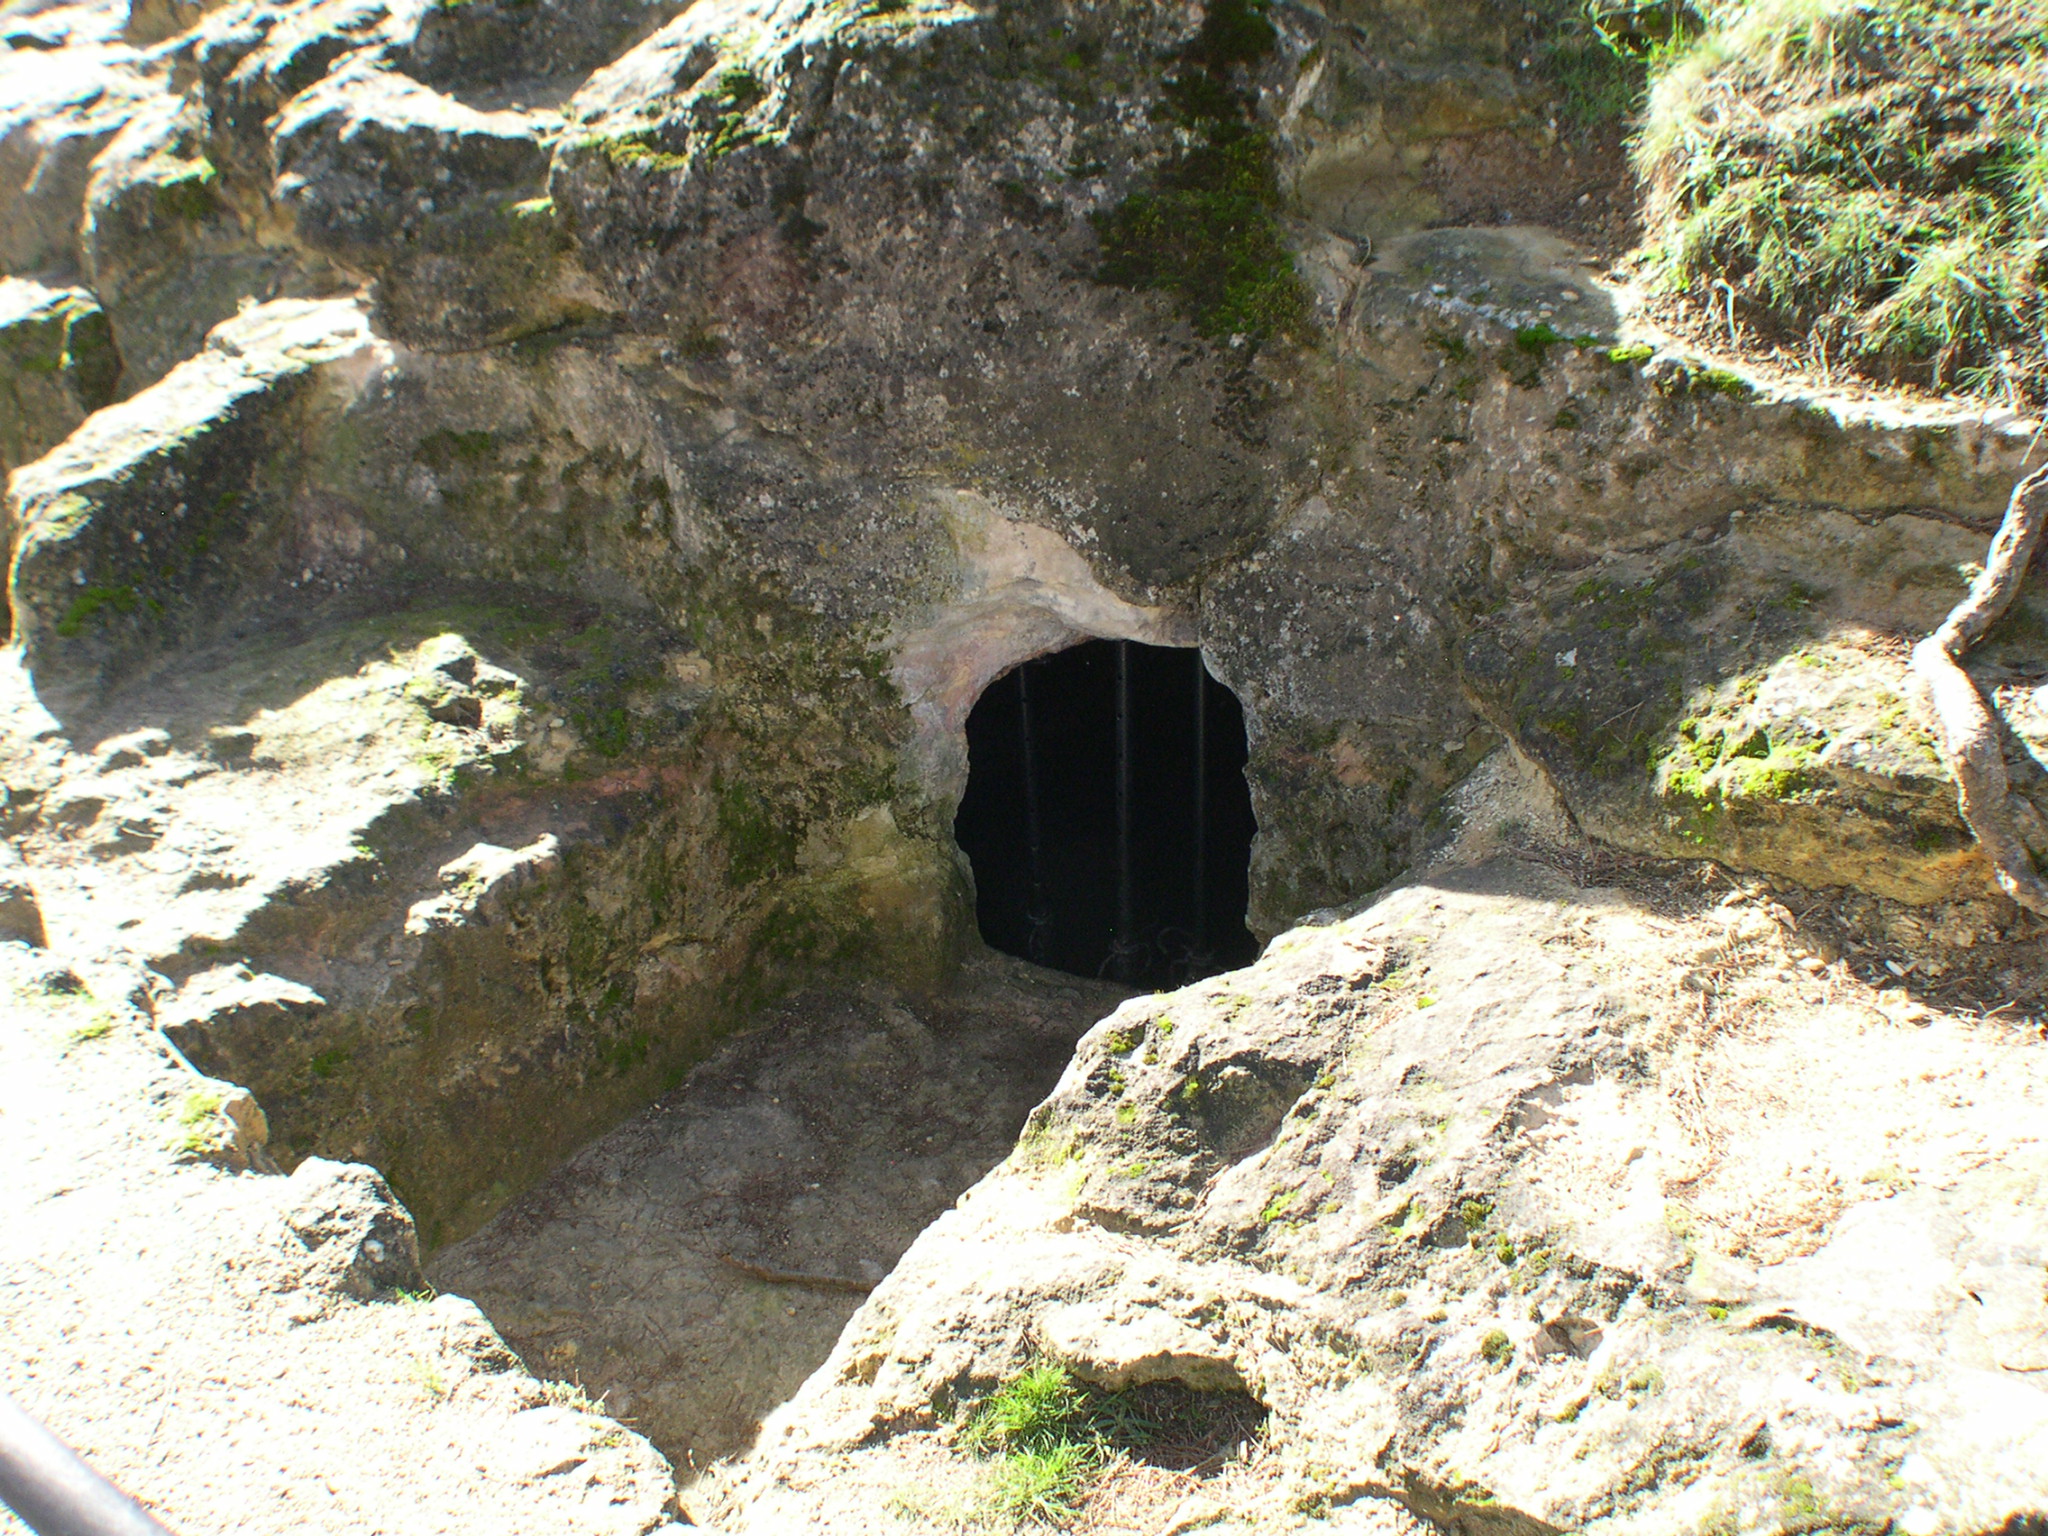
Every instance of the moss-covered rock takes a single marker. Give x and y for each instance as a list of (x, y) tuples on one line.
[(57, 366)]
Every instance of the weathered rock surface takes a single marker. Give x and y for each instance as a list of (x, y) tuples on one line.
[(512, 503), (140, 528), (1505, 1222), (57, 366)]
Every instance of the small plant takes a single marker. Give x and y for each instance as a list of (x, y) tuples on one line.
[(1496, 1348), (1038, 1408), (1050, 1437), (570, 1395), (427, 1374), (1043, 1486), (1047, 1450), (96, 1028)]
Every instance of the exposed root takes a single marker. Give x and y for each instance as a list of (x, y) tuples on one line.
[(1969, 735)]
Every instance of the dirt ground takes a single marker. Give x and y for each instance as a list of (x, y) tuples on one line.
[(158, 1312), (691, 1268)]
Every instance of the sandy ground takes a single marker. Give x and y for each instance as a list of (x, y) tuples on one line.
[(157, 1312)]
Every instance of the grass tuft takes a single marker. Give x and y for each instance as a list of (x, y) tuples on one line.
[(1862, 184), (1049, 1438)]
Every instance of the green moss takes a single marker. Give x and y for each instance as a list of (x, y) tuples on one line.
[(1206, 232), (757, 844), (640, 150), (444, 449), (608, 732), (1496, 1348), (1453, 346), (187, 193), (1631, 356), (740, 90), (1278, 1205), (1475, 1214), (622, 1056), (96, 1028), (92, 601), (328, 1062), (1721, 381)]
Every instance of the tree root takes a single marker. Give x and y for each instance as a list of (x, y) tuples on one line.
[(1968, 735)]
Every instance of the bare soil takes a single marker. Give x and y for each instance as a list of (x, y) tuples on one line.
[(692, 1267)]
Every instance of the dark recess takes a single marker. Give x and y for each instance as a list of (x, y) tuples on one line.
[(1152, 895)]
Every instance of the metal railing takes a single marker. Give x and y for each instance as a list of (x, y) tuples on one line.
[(50, 1487)]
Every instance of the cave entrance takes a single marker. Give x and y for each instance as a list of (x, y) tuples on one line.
[(1107, 816)]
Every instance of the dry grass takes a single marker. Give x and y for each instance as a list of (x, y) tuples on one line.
[(1860, 186)]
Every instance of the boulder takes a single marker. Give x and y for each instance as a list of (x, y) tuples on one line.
[(357, 1240), (150, 524), (1394, 1180)]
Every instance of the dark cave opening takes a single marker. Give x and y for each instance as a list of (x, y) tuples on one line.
[(1107, 816)]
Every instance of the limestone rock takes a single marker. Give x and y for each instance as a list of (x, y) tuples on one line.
[(231, 1022), (57, 366), (1379, 1178), (139, 527), (169, 253), (357, 1238), (445, 205), (479, 881), (1125, 1347), (59, 107)]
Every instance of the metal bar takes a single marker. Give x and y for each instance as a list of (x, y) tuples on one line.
[(46, 1483), (1125, 916), (1034, 911), (1201, 804)]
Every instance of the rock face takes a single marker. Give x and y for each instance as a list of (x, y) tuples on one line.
[(1457, 1187), (511, 505)]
